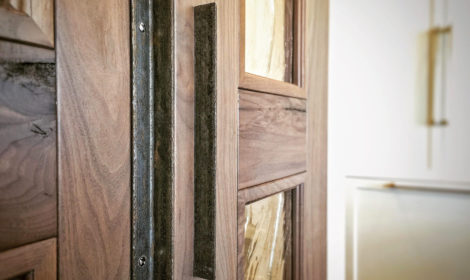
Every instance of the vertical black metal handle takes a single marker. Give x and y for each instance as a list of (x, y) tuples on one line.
[(153, 97), (205, 139)]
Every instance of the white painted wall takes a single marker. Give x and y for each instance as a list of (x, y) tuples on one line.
[(377, 101)]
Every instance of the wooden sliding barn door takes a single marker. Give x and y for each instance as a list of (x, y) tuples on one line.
[(191, 139), (243, 97)]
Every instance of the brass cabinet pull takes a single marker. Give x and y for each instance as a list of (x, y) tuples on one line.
[(434, 35)]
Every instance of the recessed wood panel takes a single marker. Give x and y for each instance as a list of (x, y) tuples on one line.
[(29, 21), (28, 186), (272, 137), (34, 261)]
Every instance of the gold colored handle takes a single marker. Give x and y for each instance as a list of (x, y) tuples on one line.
[(434, 34)]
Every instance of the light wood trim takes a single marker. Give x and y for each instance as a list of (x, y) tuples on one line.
[(39, 258), (316, 82), (94, 133), (253, 82)]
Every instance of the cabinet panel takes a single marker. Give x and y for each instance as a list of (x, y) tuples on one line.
[(37, 259), (29, 21), (28, 183), (272, 137)]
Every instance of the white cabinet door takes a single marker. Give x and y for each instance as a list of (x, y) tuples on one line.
[(379, 87)]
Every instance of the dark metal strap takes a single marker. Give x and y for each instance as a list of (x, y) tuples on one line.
[(142, 141), (152, 138), (205, 138)]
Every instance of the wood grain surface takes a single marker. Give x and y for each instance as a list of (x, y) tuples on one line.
[(34, 261), (314, 205), (272, 139), (28, 186), (93, 83)]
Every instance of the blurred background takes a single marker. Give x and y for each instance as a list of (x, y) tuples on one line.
[(399, 139)]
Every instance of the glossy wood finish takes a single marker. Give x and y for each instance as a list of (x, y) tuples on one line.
[(28, 186), (93, 83), (227, 116), (28, 21), (38, 259), (254, 82), (313, 254), (272, 139)]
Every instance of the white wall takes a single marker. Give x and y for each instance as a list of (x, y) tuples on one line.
[(377, 101)]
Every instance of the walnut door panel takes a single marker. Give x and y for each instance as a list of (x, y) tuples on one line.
[(272, 137), (28, 176), (36, 261)]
